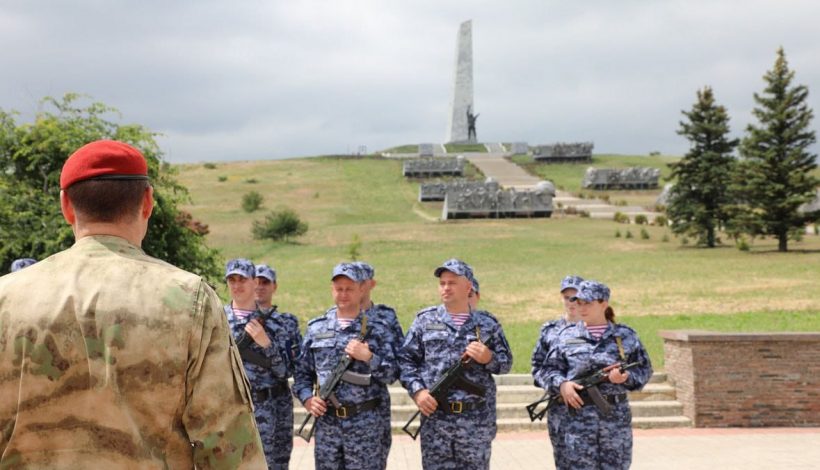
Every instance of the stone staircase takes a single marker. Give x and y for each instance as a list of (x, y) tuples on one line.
[(653, 407)]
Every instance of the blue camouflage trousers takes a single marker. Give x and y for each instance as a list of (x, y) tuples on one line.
[(274, 417), (387, 439), (352, 443), (556, 418), (457, 441), (594, 441)]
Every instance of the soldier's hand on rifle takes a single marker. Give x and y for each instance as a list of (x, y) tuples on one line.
[(616, 376), (426, 403), (479, 352), (359, 350), (569, 393), (257, 332), (315, 406)]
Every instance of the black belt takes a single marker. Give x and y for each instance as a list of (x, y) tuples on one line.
[(264, 394), (349, 411), (458, 407), (611, 399)]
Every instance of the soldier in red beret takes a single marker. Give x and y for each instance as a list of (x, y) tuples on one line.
[(124, 361)]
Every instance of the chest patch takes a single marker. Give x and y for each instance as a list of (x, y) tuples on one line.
[(326, 335), (435, 327)]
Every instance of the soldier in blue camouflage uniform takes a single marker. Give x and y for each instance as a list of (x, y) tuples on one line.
[(350, 425), (287, 339), (21, 263), (592, 439), (546, 341), (458, 433), (265, 355), (388, 315)]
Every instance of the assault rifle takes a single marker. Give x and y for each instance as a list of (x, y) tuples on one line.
[(453, 377), (590, 382), (326, 391), (244, 342)]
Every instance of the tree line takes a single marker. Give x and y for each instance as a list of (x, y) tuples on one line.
[(758, 190)]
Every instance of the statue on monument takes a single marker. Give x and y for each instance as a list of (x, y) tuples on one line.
[(471, 134)]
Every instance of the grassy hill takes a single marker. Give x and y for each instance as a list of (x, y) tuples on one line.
[(520, 263)]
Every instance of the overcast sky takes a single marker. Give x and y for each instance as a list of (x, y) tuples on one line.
[(272, 79)]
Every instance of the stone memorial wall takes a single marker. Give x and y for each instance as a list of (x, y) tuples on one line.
[(519, 148), (488, 201), (426, 150), (436, 191), (563, 152), (429, 167), (628, 178)]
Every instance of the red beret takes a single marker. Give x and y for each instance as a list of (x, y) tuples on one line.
[(103, 159)]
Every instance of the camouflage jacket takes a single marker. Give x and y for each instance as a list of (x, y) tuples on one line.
[(388, 315), (433, 344), (546, 341), (575, 353), (324, 345), (110, 358), (283, 331)]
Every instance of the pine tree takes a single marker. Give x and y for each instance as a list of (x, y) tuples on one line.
[(698, 200), (774, 175)]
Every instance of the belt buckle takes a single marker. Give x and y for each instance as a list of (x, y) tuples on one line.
[(341, 412), (456, 409)]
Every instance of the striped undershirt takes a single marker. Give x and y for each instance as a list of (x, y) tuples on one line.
[(344, 322), (597, 331), (459, 318), (242, 313)]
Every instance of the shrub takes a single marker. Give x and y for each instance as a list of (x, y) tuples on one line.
[(641, 219), (628, 234), (604, 197), (279, 225), (644, 234), (584, 214), (621, 202), (617, 233), (222, 178), (251, 181), (661, 221), (209, 166), (742, 244), (665, 238), (684, 241), (620, 217), (251, 201), (353, 250)]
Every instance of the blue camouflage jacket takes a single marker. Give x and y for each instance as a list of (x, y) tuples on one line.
[(433, 344), (546, 341), (324, 345), (283, 331), (575, 353), (388, 316)]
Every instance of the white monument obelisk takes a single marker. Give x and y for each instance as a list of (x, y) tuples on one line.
[(463, 86)]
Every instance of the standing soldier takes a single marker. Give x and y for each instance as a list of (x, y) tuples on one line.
[(124, 361), (349, 425), (287, 339), (595, 438), (388, 316), (458, 432), (546, 341), (255, 331), (21, 263)]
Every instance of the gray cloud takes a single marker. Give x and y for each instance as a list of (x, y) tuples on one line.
[(253, 79)]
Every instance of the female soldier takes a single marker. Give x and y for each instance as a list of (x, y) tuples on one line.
[(546, 341), (593, 438)]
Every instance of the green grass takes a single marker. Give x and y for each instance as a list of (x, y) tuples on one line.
[(410, 148), (519, 262), (463, 148)]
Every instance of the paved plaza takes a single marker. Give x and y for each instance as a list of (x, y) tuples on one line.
[(665, 449)]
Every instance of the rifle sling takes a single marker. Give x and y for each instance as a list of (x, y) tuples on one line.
[(249, 355)]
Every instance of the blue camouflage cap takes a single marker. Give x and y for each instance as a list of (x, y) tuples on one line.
[(21, 263), (590, 291), (571, 282), (457, 267), (348, 270), (367, 270), (263, 270), (241, 266)]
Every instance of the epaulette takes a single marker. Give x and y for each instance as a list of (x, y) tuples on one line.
[(385, 307), (427, 310), (317, 319), (551, 324), (486, 314)]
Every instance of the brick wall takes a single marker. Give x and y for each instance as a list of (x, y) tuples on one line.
[(745, 379)]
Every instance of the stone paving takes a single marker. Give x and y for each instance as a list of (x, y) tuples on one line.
[(667, 449)]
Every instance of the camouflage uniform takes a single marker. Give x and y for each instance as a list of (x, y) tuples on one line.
[(354, 442), (454, 440), (546, 341), (123, 362), (591, 439), (269, 387)]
